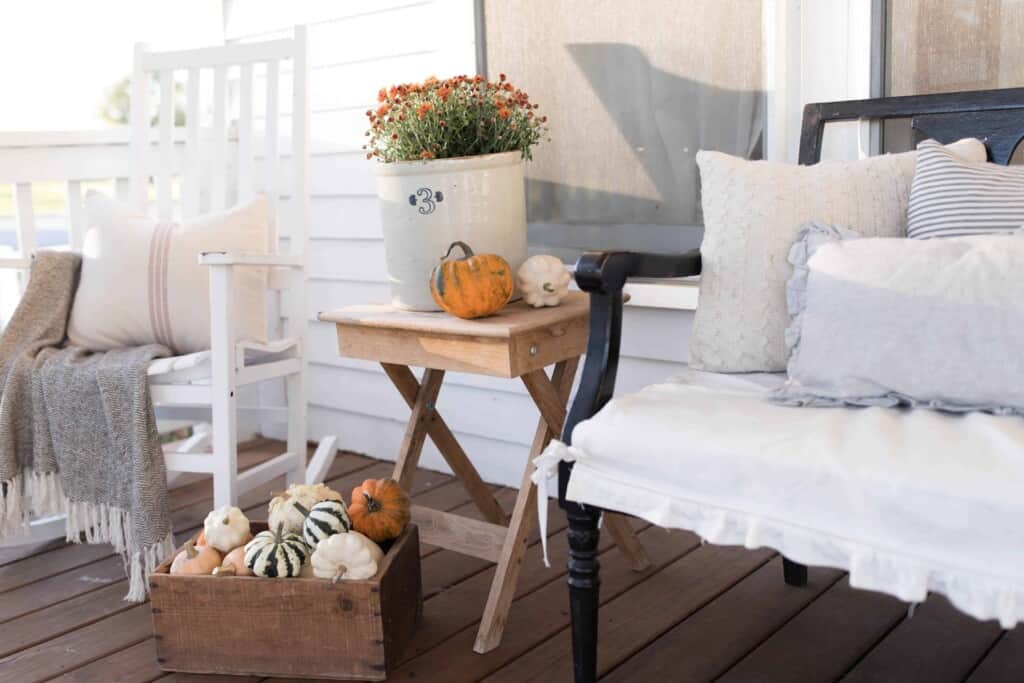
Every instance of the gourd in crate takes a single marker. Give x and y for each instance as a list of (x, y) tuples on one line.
[(291, 507), (226, 528), (349, 556), (380, 509), (326, 518), (274, 554), (195, 559)]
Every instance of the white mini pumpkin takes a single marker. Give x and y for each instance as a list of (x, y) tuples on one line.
[(349, 556), (543, 280), (291, 507), (226, 528)]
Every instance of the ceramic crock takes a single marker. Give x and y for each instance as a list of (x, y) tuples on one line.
[(427, 205)]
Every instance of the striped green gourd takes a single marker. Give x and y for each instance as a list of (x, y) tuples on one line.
[(274, 554), (326, 518)]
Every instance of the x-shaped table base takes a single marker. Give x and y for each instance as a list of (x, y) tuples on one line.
[(499, 537)]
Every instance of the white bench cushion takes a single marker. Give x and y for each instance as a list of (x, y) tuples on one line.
[(907, 500)]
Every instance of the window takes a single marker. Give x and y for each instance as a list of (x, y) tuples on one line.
[(937, 46), (632, 91)]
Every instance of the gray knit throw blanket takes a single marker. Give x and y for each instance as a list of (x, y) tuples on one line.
[(77, 430)]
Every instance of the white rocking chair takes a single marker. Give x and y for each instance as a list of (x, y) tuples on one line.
[(201, 386)]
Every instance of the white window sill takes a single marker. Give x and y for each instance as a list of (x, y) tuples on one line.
[(679, 294)]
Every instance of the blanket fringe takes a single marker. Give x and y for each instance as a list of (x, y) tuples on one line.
[(40, 494)]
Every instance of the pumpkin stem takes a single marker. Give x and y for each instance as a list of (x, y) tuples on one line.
[(466, 251), (190, 550), (301, 508), (338, 574), (279, 534), (547, 287), (224, 570), (371, 503)]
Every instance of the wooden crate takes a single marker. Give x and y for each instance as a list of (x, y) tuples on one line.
[(289, 627)]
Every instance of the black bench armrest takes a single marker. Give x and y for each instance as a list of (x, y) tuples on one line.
[(603, 275)]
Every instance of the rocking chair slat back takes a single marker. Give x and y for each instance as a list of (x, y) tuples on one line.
[(164, 177), (190, 181), (218, 175)]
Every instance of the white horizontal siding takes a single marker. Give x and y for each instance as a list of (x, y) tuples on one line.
[(357, 48)]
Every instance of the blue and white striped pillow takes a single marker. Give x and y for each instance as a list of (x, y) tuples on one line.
[(950, 197)]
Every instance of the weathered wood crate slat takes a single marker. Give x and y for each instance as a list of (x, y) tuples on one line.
[(289, 627)]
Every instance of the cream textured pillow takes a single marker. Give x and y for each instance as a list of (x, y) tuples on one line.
[(141, 281), (753, 211)]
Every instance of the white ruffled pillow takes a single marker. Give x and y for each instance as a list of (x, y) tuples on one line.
[(886, 322), (141, 282)]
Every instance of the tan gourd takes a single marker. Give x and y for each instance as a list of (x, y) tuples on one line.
[(233, 564), (196, 560)]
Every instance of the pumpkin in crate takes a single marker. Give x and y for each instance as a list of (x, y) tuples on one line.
[(350, 556), (326, 518), (380, 509), (473, 286), (195, 559), (274, 554), (225, 529), (291, 507)]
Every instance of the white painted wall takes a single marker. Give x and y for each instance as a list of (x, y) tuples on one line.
[(356, 48)]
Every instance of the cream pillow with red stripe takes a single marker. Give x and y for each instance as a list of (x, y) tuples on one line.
[(141, 282)]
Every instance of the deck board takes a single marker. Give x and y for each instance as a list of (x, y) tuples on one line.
[(700, 613)]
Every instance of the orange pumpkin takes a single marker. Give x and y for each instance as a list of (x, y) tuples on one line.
[(379, 509), (473, 286)]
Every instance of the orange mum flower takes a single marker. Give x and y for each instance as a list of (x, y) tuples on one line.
[(503, 113), (383, 109), (422, 110), (444, 92), (382, 95), (426, 154)]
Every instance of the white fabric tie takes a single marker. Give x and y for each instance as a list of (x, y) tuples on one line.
[(546, 469)]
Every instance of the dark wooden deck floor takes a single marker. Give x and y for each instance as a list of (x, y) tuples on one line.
[(700, 613)]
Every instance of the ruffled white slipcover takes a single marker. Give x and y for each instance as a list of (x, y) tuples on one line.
[(908, 501)]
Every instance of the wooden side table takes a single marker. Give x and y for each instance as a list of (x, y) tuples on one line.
[(518, 342)]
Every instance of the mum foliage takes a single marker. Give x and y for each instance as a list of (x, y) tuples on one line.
[(456, 117)]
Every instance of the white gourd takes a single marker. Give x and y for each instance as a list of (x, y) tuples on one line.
[(226, 528), (349, 556), (291, 507), (543, 280)]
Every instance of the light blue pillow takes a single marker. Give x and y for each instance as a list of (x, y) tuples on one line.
[(886, 322)]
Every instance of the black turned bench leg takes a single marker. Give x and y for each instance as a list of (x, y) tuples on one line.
[(795, 574), (584, 584)]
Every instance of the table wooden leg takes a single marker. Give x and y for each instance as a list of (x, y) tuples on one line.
[(407, 385), (622, 533), (416, 430), (506, 574), (618, 526)]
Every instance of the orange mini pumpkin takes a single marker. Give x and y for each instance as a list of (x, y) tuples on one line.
[(379, 509), (473, 286)]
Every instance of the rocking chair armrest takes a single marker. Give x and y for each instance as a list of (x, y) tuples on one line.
[(246, 258), (603, 275)]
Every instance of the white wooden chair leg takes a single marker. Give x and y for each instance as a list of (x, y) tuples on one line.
[(296, 395), (322, 460), (224, 393)]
